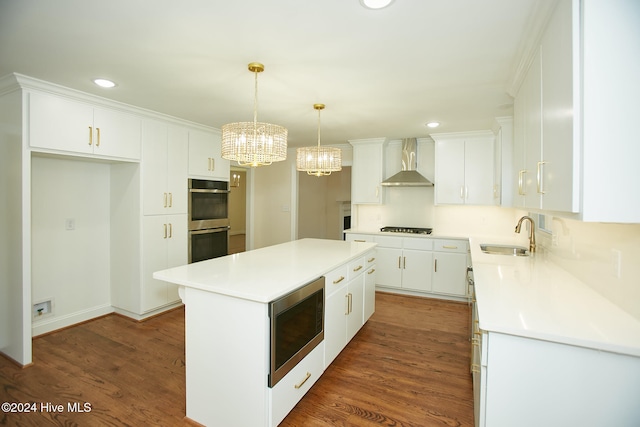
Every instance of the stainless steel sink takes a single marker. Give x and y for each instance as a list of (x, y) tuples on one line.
[(504, 250)]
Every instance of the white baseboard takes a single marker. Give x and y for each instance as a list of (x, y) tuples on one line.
[(137, 316), (39, 327)]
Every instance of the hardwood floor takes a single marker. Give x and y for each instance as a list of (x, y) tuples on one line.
[(408, 366)]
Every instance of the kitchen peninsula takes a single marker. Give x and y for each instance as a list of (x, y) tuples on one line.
[(228, 325)]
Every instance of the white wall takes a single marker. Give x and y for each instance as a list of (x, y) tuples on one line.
[(272, 204), (70, 266)]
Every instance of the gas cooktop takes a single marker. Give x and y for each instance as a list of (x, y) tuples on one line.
[(411, 230)]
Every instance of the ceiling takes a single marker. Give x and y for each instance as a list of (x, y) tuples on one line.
[(381, 73)]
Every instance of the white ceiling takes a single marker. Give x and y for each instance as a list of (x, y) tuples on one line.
[(380, 72)]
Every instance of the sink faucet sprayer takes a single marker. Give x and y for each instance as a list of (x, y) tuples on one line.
[(532, 234)]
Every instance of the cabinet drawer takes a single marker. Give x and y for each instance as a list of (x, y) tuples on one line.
[(356, 267), (370, 258), (295, 384), (461, 246), (389, 241), (335, 279), (360, 237), (419, 243)]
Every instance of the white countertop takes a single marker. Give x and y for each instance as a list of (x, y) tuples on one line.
[(433, 235), (265, 274), (534, 298)]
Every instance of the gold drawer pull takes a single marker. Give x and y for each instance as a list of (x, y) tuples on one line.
[(338, 280), (300, 384), (359, 240), (371, 259), (358, 268), (475, 368), (373, 270), (450, 247)]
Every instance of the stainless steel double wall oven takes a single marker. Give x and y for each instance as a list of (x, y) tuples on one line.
[(208, 219)]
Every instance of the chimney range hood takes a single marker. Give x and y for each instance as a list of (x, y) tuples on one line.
[(408, 176)]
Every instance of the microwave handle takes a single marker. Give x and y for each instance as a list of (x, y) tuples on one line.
[(210, 191)]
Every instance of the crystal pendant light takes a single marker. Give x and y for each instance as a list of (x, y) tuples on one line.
[(319, 161), (254, 143)]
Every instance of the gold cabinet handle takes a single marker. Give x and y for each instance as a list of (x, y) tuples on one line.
[(449, 247), (301, 383), (98, 132), (338, 280), (521, 191), (358, 268), (399, 262), (435, 265), (346, 303), (170, 230), (404, 262), (475, 368), (371, 259), (165, 231), (540, 177), (213, 164), (90, 135), (373, 270), (165, 200), (358, 240), (350, 302), (170, 200)]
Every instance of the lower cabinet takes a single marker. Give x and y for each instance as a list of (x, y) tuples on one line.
[(349, 302), (164, 245), (420, 264)]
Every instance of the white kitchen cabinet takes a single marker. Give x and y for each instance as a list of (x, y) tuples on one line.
[(546, 177), (164, 245), (164, 168), (345, 301), (367, 171), (61, 124), (369, 288), (464, 168), (503, 162), (404, 262), (205, 156), (450, 267), (521, 375)]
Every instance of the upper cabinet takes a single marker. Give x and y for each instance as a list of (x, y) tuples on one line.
[(464, 168), (205, 156), (164, 168), (574, 114), (545, 146), (367, 171), (74, 127)]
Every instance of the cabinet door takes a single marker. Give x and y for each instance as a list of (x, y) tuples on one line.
[(177, 250), (335, 330), (155, 233), (366, 174), (450, 180), (177, 165), (389, 267), (533, 132), (416, 272), (557, 169), (369, 293), (60, 124), (117, 134), (478, 171), (205, 156), (449, 273), (154, 168), (356, 306)]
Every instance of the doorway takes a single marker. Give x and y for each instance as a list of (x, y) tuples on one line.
[(237, 210)]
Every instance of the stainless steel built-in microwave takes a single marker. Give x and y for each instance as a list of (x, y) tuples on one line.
[(297, 327), (208, 204)]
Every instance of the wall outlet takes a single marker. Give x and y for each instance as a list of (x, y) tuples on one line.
[(616, 263), (43, 308)]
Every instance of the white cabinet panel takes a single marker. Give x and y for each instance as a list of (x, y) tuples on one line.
[(367, 171), (205, 156), (58, 123)]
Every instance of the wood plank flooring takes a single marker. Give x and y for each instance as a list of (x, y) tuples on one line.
[(408, 366)]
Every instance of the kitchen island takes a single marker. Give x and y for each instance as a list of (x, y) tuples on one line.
[(228, 326)]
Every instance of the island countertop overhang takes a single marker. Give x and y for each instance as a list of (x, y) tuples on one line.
[(265, 274)]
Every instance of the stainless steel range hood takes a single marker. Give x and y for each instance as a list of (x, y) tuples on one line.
[(408, 176)]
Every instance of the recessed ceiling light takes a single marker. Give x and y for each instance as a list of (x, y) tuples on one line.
[(375, 4), (104, 83), (433, 124)]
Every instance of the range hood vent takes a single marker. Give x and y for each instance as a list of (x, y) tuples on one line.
[(408, 176)]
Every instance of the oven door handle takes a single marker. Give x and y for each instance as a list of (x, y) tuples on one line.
[(210, 230), (211, 191)]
